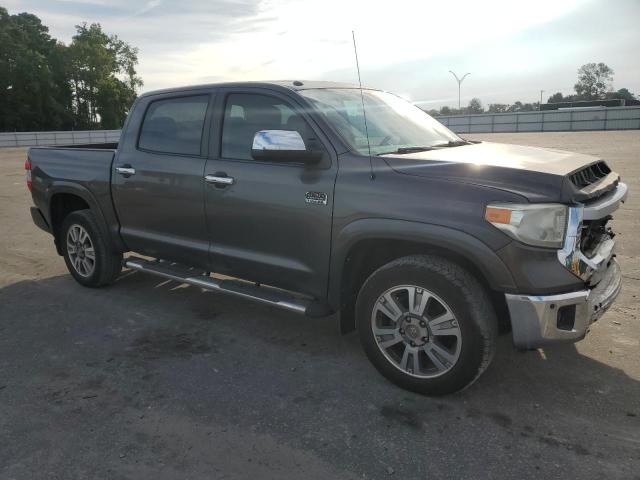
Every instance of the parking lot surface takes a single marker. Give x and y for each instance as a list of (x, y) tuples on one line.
[(151, 379)]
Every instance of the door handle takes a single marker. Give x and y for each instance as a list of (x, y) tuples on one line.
[(219, 179), (126, 170)]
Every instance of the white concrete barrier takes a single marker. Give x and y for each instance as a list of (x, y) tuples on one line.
[(74, 137), (566, 120)]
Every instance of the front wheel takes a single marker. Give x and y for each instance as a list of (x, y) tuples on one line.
[(88, 253), (426, 324)]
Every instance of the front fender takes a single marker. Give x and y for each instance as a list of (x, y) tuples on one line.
[(456, 241)]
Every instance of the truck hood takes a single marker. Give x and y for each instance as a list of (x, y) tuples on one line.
[(539, 174)]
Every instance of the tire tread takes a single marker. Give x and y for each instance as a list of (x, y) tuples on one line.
[(109, 260), (473, 291)]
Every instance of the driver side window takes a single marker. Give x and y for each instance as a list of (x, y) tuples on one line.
[(247, 114)]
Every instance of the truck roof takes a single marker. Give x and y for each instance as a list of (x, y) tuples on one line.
[(287, 84)]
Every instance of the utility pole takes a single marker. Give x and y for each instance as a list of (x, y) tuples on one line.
[(540, 104), (459, 80)]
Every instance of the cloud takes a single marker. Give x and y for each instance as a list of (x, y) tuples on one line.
[(148, 7), (513, 49)]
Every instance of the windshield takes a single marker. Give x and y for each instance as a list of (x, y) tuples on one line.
[(393, 123)]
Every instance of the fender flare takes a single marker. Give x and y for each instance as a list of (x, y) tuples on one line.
[(468, 246), (63, 186)]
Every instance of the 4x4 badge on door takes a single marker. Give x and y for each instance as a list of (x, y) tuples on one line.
[(318, 198)]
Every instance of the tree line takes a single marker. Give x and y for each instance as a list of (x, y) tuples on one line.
[(594, 83), (47, 85)]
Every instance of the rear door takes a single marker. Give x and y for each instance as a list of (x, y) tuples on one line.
[(158, 178), (271, 221)]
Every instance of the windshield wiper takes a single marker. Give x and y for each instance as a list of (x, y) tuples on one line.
[(452, 143), (403, 150)]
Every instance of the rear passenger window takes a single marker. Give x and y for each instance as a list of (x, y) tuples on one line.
[(174, 125)]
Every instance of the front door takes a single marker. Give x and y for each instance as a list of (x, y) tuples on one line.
[(158, 180), (269, 222)]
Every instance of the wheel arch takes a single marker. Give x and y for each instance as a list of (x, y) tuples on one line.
[(365, 245), (67, 197)]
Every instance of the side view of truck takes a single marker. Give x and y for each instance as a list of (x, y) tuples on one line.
[(427, 244)]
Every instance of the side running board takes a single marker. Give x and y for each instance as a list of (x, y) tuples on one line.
[(200, 278)]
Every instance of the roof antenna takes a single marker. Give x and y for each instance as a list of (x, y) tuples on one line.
[(364, 113)]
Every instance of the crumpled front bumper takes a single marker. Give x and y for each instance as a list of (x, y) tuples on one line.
[(542, 320)]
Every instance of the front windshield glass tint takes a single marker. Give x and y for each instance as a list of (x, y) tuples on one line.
[(392, 122)]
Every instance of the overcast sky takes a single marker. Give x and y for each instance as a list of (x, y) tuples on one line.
[(513, 49)]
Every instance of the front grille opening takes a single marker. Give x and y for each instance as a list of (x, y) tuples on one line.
[(590, 175), (593, 233), (566, 317)]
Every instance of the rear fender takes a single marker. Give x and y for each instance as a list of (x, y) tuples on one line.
[(109, 226)]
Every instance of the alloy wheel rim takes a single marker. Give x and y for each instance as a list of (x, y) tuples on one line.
[(416, 331), (80, 249)]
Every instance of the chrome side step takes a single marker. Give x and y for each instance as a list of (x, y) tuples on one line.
[(199, 278)]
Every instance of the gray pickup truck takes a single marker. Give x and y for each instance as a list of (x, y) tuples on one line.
[(320, 198)]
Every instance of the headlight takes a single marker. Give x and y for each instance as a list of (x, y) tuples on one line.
[(541, 225)]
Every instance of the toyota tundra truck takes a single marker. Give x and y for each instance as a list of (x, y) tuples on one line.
[(322, 198)]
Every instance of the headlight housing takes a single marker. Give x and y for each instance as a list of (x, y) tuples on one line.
[(540, 225)]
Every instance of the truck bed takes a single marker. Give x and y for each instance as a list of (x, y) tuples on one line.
[(82, 170)]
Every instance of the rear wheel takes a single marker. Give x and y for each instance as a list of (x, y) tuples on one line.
[(90, 257), (426, 324)]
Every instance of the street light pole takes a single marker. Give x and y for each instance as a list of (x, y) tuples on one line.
[(540, 104), (459, 80)]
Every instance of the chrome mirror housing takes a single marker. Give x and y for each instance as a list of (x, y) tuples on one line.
[(283, 146), (282, 140)]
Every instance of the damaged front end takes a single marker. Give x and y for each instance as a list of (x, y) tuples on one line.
[(589, 253)]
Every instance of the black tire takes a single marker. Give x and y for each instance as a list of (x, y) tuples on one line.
[(466, 299), (107, 262)]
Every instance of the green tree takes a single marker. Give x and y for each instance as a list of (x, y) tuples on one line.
[(515, 107), (523, 107), (46, 85), (33, 94), (594, 80), (103, 77), (113, 99), (89, 62), (623, 94), (556, 98), (497, 108), (475, 106)]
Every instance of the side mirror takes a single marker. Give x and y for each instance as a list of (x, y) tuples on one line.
[(282, 146)]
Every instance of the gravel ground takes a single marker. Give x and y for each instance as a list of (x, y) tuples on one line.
[(148, 379)]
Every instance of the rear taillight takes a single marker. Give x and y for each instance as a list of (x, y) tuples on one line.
[(27, 167)]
